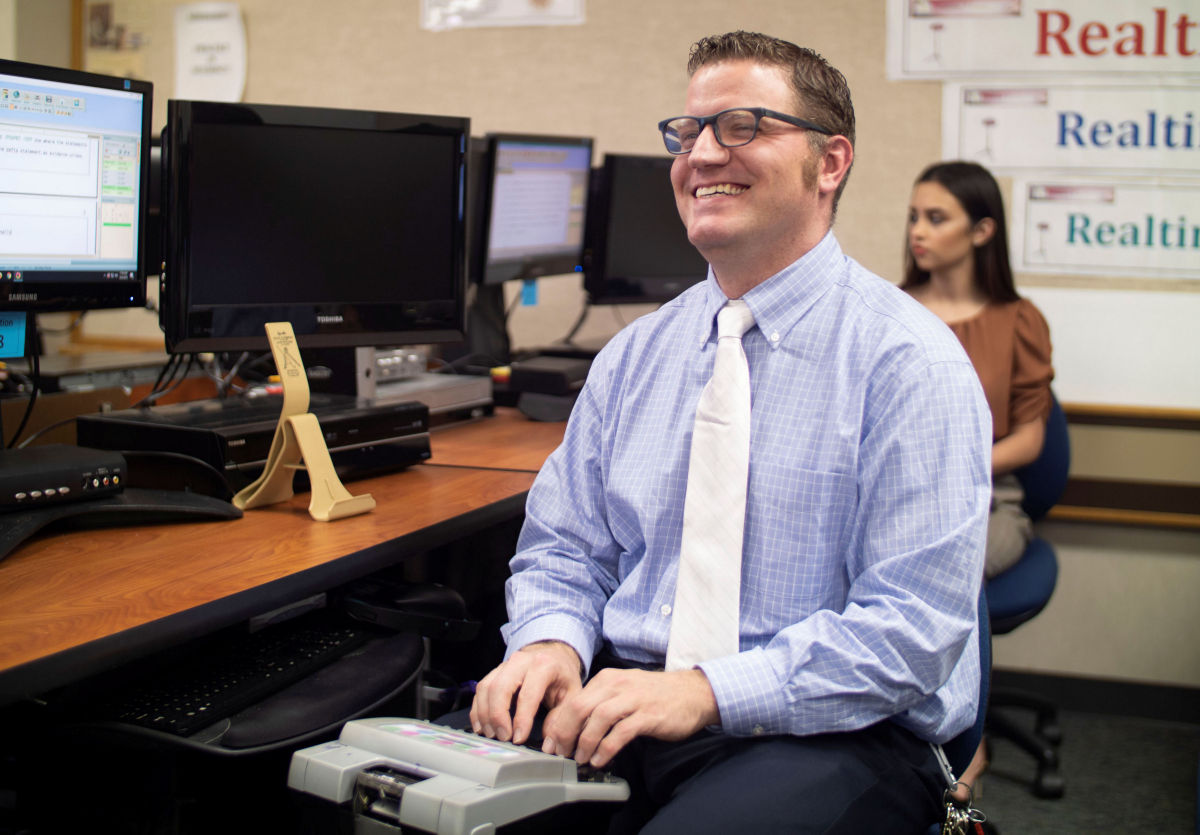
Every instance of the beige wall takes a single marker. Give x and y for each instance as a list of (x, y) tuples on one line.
[(8, 29), (1124, 608), (43, 29)]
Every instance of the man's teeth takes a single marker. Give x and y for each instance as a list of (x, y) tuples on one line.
[(723, 188)]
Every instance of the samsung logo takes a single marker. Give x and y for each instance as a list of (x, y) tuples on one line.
[(329, 320), (22, 297)]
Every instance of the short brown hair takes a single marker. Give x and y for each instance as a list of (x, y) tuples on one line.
[(822, 94)]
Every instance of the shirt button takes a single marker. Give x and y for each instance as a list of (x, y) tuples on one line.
[(758, 730), (666, 609), (775, 336)]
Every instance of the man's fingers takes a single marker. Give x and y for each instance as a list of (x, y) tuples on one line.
[(618, 736), (493, 699), (599, 724), (529, 699)]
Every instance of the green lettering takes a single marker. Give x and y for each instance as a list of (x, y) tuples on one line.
[(1082, 229)]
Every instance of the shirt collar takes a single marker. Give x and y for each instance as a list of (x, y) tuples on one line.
[(782, 300)]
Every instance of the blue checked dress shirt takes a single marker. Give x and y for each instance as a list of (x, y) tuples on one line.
[(868, 499)]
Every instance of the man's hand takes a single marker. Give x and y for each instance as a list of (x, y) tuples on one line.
[(596, 722), (547, 671)]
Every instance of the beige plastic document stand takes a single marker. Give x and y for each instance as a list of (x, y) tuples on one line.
[(298, 443)]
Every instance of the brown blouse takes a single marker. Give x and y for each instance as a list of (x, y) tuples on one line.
[(1009, 345)]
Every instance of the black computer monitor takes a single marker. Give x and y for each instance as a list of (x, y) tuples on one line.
[(154, 237), (637, 249), (348, 224), (74, 165), (533, 200)]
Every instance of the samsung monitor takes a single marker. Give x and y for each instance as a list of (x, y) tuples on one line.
[(637, 249), (533, 200), (348, 224), (74, 166)]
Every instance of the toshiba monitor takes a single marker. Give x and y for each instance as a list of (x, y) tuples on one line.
[(348, 224), (74, 163), (533, 199), (637, 249)]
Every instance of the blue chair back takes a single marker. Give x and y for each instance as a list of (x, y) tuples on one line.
[(1045, 479), (1022, 591)]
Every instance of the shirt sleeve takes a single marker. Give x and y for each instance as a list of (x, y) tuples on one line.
[(915, 565), (1032, 372), (564, 570)]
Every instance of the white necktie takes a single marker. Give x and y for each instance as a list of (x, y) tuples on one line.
[(705, 618)]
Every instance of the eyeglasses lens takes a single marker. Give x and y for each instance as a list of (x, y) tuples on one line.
[(733, 128)]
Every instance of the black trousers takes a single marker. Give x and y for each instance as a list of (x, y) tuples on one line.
[(878, 779)]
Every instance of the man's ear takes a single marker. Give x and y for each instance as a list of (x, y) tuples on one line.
[(835, 163), (983, 231)]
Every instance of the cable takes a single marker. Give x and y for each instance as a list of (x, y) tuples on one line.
[(174, 359), (44, 430), (173, 384), (587, 306), (36, 368), (169, 370)]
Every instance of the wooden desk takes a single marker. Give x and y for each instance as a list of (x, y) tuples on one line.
[(507, 440), (74, 604)]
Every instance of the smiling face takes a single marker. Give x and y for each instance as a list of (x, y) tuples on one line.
[(941, 236), (755, 209)]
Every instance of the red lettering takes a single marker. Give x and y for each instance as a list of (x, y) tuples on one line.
[(1055, 35), (1044, 33), (1093, 32), (1160, 31), (1135, 43), (1182, 25)]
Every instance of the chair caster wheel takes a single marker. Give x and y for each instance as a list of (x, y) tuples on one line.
[(1049, 784), (1051, 732)]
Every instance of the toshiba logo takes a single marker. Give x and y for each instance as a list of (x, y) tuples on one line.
[(329, 320)]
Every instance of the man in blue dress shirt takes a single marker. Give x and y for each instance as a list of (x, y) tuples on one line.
[(867, 504)]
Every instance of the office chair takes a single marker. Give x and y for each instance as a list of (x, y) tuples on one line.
[(1019, 594)]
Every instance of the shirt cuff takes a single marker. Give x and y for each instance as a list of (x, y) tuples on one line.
[(560, 628), (749, 695)]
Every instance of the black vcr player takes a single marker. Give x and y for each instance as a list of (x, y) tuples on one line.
[(234, 435)]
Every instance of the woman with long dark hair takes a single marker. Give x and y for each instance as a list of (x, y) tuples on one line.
[(957, 266)]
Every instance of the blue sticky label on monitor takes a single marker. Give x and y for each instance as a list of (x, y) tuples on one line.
[(529, 292), (12, 334)]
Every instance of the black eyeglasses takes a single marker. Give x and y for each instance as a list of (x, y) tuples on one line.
[(732, 128)]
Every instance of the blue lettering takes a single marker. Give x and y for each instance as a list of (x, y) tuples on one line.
[(1101, 131), (1129, 134), (1073, 130)]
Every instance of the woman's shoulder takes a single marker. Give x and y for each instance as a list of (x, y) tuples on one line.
[(1028, 319)]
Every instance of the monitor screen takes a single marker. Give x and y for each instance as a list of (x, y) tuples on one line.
[(74, 164), (533, 197), (348, 224), (637, 247)]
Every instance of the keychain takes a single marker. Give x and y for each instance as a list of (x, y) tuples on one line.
[(961, 817)]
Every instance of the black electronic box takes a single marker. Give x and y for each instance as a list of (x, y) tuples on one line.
[(39, 476), (234, 435)]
